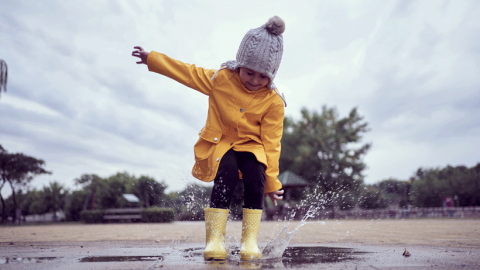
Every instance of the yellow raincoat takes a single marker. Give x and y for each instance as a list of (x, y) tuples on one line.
[(247, 121)]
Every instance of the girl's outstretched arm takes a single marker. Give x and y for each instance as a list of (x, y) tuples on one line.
[(274, 196), (140, 53)]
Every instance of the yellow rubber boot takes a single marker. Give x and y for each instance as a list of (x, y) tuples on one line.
[(215, 223), (250, 226)]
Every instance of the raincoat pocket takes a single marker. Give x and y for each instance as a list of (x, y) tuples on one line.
[(204, 148), (205, 145), (211, 135)]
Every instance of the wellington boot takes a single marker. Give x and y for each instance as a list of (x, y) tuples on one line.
[(215, 223), (250, 226)]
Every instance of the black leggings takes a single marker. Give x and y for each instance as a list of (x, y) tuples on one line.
[(227, 178)]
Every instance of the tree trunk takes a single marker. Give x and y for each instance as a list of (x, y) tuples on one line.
[(94, 196), (3, 209), (147, 200), (85, 203), (14, 202), (3, 202)]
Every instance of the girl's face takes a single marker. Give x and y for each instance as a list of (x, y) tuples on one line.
[(252, 79)]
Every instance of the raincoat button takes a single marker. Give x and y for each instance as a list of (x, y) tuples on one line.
[(241, 110), (236, 130), (218, 159), (215, 139), (231, 143)]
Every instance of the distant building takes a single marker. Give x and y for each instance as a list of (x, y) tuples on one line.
[(289, 181), (133, 201)]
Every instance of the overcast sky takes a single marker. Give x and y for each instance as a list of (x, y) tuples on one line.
[(77, 100)]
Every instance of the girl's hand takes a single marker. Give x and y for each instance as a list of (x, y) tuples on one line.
[(274, 196), (140, 53)]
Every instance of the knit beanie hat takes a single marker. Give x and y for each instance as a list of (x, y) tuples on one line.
[(261, 50)]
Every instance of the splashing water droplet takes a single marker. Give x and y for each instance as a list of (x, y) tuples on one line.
[(275, 248)]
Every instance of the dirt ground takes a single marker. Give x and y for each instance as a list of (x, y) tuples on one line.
[(343, 244), (432, 232)]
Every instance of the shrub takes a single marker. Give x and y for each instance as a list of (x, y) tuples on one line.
[(157, 214), (92, 216), (347, 201), (192, 214), (372, 198)]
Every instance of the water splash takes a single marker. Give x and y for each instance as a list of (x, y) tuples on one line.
[(276, 247)]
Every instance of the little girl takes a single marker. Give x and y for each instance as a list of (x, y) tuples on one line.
[(241, 137)]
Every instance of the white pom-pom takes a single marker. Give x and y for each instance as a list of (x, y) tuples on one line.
[(275, 25)]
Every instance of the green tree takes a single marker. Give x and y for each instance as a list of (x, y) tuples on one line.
[(149, 191), (74, 204), (31, 202), (347, 199), (90, 183), (192, 201), (54, 197), (34, 204), (431, 185), (113, 188), (462, 182), (396, 191), (172, 200), (18, 170), (372, 198), (327, 151), (428, 189)]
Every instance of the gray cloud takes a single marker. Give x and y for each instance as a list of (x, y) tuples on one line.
[(77, 99)]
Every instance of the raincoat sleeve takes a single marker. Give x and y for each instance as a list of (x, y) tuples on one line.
[(271, 134), (187, 74)]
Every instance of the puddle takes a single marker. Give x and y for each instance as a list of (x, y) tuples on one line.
[(292, 257), (18, 260), (121, 259), (306, 256), (26, 260), (296, 256)]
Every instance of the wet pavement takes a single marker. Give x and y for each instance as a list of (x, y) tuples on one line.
[(153, 255)]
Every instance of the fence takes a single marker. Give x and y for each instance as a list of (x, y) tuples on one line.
[(282, 214), (435, 212), (47, 217)]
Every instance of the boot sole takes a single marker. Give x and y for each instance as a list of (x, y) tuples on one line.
[(250, 258), (216, 257)]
